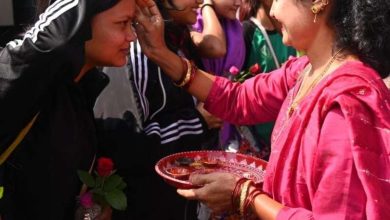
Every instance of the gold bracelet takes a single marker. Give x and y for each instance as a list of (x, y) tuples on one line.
[(187, 76), (243, 195)]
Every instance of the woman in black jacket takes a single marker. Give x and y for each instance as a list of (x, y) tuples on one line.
[(171, 121), (50, 74)]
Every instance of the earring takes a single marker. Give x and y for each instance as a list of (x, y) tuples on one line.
[(317, 7)]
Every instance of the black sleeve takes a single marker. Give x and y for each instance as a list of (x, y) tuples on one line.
[(181, 130), (50, 51), (169, 114), (248, 31)]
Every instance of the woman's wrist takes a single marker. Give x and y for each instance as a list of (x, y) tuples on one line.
[(204, 5), (169, 62)]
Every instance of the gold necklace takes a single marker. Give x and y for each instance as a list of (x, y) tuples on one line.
[(300, 94)]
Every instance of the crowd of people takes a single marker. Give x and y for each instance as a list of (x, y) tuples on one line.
[(137, 80)]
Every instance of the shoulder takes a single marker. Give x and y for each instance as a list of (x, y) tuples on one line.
[(355, 75), (248, 26), (358, 90)]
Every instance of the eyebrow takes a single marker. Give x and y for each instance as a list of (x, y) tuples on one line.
[(126, 17)]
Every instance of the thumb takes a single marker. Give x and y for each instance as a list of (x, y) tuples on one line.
[(187, 193)]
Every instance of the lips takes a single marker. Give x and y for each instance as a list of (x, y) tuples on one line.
[(125, 51)]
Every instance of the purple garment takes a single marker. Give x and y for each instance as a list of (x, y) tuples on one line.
[(235, 56), (235, 50)]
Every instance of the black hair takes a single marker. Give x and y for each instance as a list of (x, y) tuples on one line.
[(362, 28), (41, 6), (164, 6), (177, 36), (100, 6), (248, 9)]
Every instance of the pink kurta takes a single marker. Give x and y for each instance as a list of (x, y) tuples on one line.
[(330, 159)]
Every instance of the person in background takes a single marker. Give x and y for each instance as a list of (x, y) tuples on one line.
[(330, 146), (263, 40), (218, 37), (264, 46), (170, 121), (48, 80), (23, 15)]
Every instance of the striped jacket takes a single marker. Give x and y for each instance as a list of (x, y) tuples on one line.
[(168, 113)]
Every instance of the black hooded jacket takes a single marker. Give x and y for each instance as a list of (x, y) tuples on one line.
[(36, 75)]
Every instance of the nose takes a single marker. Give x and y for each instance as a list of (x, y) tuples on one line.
[(130, 34), (272, 10)]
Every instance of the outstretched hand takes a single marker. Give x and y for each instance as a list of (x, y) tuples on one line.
[(149, 26), (216, 191), (211, 120)]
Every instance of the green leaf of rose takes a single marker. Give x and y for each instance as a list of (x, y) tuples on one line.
[(86, 178), (1, 191), (122, 185), (116, 199), (112, 182)]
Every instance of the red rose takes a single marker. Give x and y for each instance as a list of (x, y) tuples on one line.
[(255, 69), (104, 166)]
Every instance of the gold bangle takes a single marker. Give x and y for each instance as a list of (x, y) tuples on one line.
[(187, 76), (243, 195)]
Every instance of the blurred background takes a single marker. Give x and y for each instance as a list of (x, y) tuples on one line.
[(15, 15)]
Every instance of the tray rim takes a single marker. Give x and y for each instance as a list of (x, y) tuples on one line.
[(186, 184)]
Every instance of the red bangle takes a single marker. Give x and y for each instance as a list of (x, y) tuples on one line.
[(250, 199)]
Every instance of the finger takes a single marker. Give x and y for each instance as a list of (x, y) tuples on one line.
[(188, 193), (147, 21), (151, 7), (216, 125), (141, 3), (141, 19), (201, 179)]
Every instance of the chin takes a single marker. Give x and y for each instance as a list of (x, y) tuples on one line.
[(192, 21), (232, 17), (118, 63), (286, 42)]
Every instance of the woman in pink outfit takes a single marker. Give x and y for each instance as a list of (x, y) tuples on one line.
[(331, 142)]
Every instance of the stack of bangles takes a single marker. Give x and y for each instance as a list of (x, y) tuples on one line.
[(189, 74), (241, 198)]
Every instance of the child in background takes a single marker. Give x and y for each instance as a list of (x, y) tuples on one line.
[(264, 46)]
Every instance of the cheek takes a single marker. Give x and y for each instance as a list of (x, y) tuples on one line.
[(104, 48)]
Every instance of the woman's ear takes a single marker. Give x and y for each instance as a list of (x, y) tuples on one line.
[(317, 7)]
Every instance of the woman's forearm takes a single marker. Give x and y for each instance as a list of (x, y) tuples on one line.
[(266, 208), (172, 65), (211, 43)]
